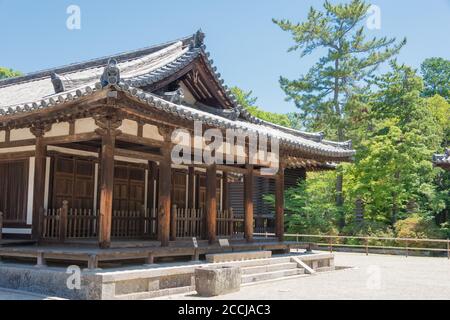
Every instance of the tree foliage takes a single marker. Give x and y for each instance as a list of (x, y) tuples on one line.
[(248, 101), (8, 73), (323, 92), (436, 76)]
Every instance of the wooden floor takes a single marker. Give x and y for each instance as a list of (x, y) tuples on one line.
[(144, 252)]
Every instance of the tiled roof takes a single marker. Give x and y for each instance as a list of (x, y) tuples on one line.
[(144, 67)]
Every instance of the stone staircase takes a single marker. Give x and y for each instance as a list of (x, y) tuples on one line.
[(254, 271), (161, 281)]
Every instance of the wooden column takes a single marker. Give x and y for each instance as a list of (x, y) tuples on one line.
[(191, 191), (211, 203), (279, 204), (108, 124), (165, 189), (225, 201), (248, 204), (39, 179)]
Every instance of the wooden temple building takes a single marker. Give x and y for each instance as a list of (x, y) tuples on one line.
[(85, 152)]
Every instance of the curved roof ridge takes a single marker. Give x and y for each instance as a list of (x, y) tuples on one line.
[(91, 63)]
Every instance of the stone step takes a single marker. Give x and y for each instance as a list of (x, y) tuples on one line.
[(256, 262), (269, 268), (248, 278), (155, 293)]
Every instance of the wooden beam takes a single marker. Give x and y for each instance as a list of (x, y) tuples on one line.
[(248, 204), (211, 203), (279, 205), (138, 155), (80, 137)]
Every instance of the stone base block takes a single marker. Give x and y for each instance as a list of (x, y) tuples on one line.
[(211, 282)]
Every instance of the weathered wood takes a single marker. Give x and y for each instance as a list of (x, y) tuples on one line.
[(225, 200), (279, 205), (1, 224), (165, 188), (108, 130), (39, 179), (63, 221), (211, 203), (173, 224), (248, 204), (191, 183)]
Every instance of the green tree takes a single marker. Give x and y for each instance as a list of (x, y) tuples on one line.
[(393, 174), (8, 73), (322, 93), (248, 102), (310, 205), (436, 76)]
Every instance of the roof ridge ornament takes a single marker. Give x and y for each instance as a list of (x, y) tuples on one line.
[(176, 96), (198, 39), (57, 82), (111, 74)]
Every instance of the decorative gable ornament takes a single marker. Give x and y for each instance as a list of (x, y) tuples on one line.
[(57, 82), (111, 74)]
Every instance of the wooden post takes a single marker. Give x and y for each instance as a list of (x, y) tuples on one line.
[(39, 179), (1, 224), (225, 201), (279, 204), (367, 246), (448, 248), (165, 189), (211, 203), (248, 204), (231, 215), (108, 124), (173, 224), (63, 221), (191, 191)]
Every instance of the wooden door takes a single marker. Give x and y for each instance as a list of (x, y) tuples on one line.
[(129, 188), (179, 189), (14, 191), (73, 180)]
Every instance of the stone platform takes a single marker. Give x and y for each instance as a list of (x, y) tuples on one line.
[(151, 281)]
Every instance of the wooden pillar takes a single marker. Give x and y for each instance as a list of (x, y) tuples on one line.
[(191, 184), (173, 224), (211, 203), (225, 201), (152, 175), (248, 204), (108, 125), (279, 205), (39, 180), (165, 188)]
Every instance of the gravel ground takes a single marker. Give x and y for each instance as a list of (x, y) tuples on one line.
[(370, 277)]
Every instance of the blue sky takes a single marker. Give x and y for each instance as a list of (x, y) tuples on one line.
[(248, 49)]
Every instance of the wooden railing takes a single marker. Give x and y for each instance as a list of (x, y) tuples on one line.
[(51, 224), (189, 222), (365, 244), (134, 224), (71, 223)]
